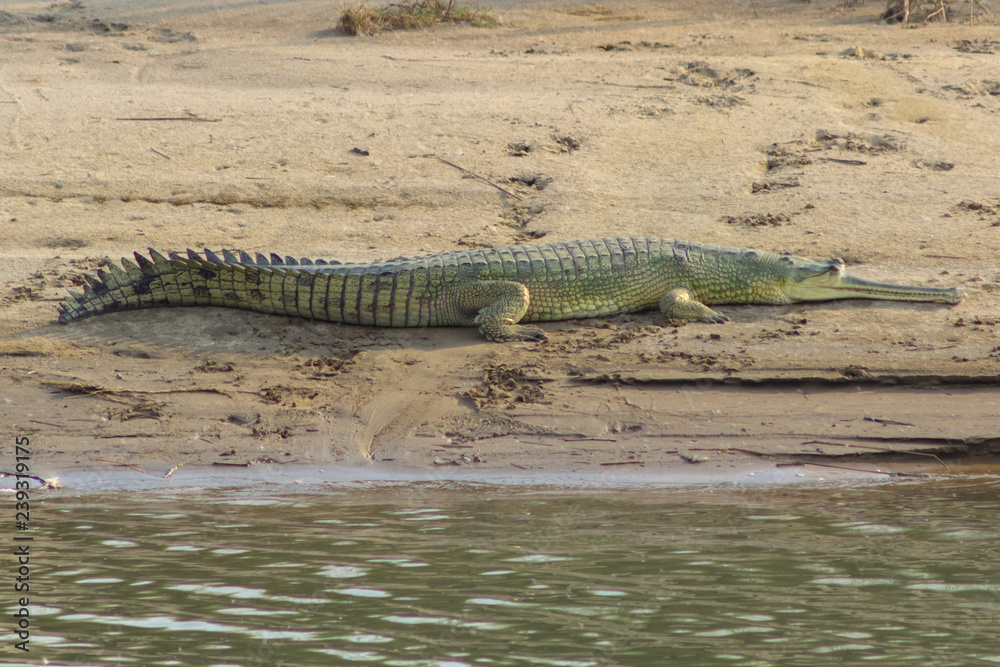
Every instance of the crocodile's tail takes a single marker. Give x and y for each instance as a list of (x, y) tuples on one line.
[(234, 281)]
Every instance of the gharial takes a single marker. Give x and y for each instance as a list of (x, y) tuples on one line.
[(492, 288)]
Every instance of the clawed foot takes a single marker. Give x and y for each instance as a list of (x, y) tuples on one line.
[(714, 318), (678, 304), (533, 334), (511, 334)]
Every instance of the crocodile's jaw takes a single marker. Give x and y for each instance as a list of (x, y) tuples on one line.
[(824, 281)]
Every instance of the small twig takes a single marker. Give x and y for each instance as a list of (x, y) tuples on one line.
[(842, 444), (733, 449), (483, 179), (850, 162), (622, 463), (138, 469), (192, 118), (159, 153), (880, 472), (884, 450), (887, 421), (32, 421), (87, 390), (107, 392), (937, 11), (127, 465)]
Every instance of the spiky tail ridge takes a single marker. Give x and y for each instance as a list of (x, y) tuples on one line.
[(269, 286)]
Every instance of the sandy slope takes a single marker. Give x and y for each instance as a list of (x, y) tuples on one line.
[(689, 121)]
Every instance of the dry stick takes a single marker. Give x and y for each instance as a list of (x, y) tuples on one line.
[(138, 469), (819, 442), (939, 10), (105, 392), (887, 421), (880, 472), (884, 450), (196, 119), (159, 153), (484, 180), (127, 465), (734, 449), (841, 444)]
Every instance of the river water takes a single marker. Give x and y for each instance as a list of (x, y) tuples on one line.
[(454, 574)]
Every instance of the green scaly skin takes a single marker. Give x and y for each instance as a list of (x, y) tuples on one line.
[(493, 289)]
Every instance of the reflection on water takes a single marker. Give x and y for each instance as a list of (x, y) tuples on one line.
[(438, 575)]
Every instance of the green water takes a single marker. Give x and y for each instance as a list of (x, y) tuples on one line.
[(450, 575)]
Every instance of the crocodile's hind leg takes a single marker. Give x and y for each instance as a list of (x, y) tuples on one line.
[(496, 306), (677, 304)]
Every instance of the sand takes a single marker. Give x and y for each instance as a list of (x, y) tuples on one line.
[(794, 127)]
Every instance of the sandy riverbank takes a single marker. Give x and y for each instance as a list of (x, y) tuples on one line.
[(682, 120)]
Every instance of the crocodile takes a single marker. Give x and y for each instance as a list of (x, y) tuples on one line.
[(494, 289)]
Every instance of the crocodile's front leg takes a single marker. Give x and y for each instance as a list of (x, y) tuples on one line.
[(496, 306), (677, 304)]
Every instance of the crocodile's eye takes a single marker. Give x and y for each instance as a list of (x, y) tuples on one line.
[(833, 267)]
